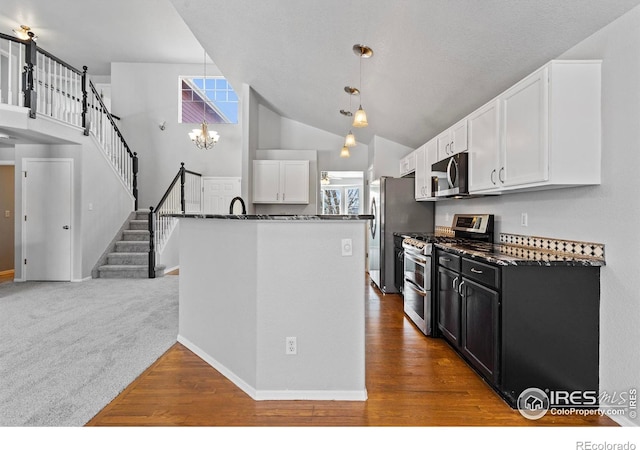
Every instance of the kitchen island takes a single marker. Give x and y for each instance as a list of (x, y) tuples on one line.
[(251, 283)]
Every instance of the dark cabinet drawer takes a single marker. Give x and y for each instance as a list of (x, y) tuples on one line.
[(449, 260), (480, 272)]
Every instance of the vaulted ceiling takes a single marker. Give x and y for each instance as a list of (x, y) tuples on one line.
[(434, 60)]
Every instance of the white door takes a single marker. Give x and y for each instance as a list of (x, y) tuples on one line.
[(47, 190), (218, 193)]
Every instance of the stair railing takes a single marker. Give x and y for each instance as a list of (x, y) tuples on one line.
[(35, 79), (184, 196), (102, 125)]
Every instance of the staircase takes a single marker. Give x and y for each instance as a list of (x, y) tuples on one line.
[(128, 256)]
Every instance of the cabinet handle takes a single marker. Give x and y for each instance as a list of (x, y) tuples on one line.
[(445, 259), (500, 175), (460, 291), (474, 270), (455, 281), (446, 148), (493, 172), (452, 148)]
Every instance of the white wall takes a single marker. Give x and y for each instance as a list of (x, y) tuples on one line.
[(235, 314), (605, 214), (384, 156), (144, 96)]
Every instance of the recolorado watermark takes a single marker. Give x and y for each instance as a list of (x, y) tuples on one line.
[(534, 403), (589, 445)]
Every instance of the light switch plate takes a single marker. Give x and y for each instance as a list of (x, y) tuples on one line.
[(7, 213)]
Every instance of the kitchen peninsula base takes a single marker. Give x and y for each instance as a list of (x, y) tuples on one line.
[(247, 285)]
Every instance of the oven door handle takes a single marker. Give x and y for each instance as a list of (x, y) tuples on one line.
[(415, 259), (415, 287)]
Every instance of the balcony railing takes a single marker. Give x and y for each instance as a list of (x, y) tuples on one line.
[(33, 78)]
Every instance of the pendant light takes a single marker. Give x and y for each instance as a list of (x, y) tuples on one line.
[(344, 153), (360, 117), (350, 140), (202, 137)]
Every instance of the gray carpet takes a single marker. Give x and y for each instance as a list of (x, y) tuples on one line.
[(67, 349)]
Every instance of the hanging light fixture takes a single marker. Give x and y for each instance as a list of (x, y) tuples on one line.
[(350, 140), (344, 153), (202, 137), (360, 117)]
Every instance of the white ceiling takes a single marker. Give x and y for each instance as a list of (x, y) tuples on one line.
[(434, 60)]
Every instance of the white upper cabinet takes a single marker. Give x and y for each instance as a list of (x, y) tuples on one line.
[(453, 140), (525, 124), (426, 155), (408, 164), (484, 147), (280, 181), (542, 133)]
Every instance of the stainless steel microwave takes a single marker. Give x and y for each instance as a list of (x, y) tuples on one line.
[(449, 177)]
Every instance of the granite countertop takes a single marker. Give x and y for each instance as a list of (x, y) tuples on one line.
[(514, 255), (281, 217)]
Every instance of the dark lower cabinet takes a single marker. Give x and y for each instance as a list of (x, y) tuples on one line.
[(522, 326), (449, 305), (480, 327)]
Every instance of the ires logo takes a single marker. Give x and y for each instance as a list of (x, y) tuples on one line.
[(558, 399), (534, 403)]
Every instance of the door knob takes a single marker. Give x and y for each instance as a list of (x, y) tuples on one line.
[(65, 227)]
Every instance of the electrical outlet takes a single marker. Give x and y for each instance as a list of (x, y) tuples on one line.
[(7, 214), (524, 219), (291, 346), (347, 247)]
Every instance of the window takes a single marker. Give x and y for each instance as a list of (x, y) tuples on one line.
[(341, 192), (212, 98)]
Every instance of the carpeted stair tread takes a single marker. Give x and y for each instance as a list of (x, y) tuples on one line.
[(128, 258)]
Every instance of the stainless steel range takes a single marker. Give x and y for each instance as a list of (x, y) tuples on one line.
[(419, 277)]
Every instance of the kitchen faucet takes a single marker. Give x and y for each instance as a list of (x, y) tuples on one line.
[(244, 208)]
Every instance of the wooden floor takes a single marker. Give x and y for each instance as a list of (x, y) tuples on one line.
[(412, 380), (6, 276)]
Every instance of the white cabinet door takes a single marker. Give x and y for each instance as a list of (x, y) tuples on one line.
[(484, 147), (459, 142), (294, 183), (266, 181), (420, 172), (408, 164), (526, 146), (444, 145), (452, 141), (277, 181)]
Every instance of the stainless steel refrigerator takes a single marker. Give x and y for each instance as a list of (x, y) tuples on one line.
[(393, 205)]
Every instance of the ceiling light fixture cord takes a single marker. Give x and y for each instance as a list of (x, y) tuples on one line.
[(202, 137)]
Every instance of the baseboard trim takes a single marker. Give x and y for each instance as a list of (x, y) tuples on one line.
[(239, 382), (356, 396), (260, 395), (171, 269), (7, 272), (80, 280)]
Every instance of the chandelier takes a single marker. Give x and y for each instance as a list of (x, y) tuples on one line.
[(202, 137)]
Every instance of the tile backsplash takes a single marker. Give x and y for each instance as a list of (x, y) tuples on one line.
[(591, 249)]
